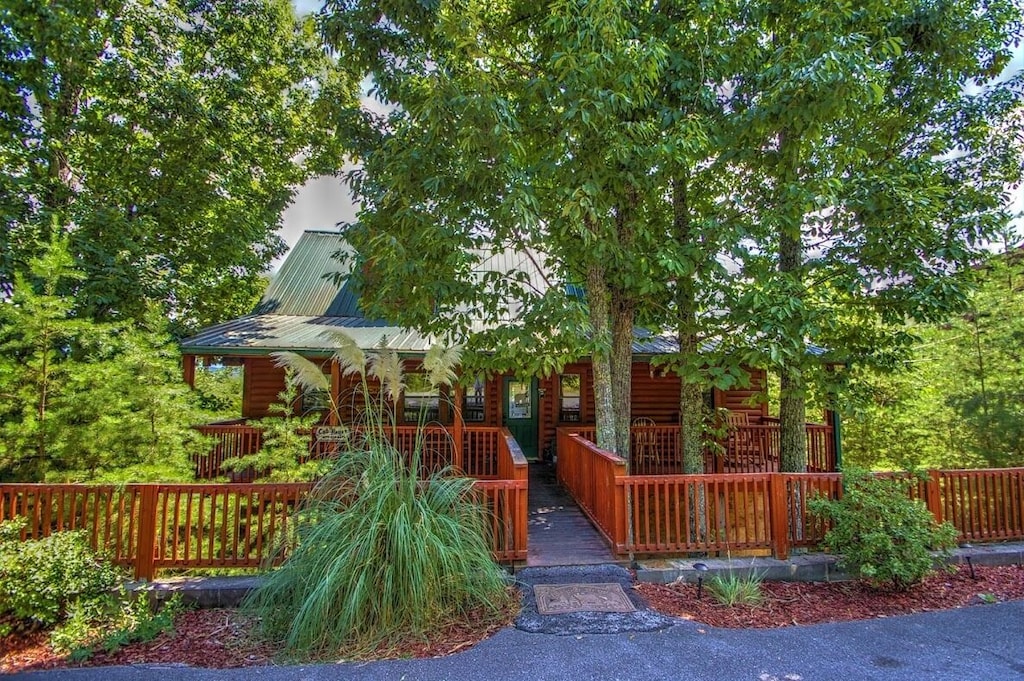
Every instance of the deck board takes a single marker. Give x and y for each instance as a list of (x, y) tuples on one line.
[(559, 533)]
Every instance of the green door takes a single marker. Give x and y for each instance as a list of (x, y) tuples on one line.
[(519, 413)]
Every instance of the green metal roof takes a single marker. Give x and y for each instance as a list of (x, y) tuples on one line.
[(305, 283), (261, 334), (303, 304)]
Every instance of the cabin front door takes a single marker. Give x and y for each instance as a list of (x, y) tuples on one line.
[(519, 413)]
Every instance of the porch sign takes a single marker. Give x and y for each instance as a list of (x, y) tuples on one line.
[(519, 404)]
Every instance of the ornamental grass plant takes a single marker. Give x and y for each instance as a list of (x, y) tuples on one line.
[(383, 554), (737, 588)]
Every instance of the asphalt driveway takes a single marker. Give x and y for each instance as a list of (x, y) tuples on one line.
[(982, 642)]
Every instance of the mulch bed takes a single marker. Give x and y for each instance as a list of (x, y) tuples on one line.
[(792, 603), (216, 638), (222, 638)]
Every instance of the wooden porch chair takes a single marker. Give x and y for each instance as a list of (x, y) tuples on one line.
[(645, 443), (740, 448)]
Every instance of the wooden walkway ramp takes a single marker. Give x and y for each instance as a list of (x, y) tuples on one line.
[(559, 533)]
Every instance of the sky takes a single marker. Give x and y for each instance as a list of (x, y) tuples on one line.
[(325, 201)]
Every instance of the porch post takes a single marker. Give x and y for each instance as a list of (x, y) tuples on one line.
[(188, 370), (457, 430), (335, 392), (837, 439), (933, 494), (145, 546), (778, 508)]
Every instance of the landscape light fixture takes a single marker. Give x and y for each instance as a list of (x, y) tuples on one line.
[(970, 565), (701, 568)]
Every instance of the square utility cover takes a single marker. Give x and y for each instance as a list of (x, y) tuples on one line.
[(559, 599)]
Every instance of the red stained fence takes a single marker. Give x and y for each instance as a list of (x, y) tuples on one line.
[(153, 526), (507, 499), (150, 527), (760, 511), (750, 448), (592, 475), (983, 505), (436, 445), (230, 441)]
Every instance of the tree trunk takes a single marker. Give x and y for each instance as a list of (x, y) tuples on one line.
[(792, 411), (792, 423), (691, 400), (599, 305), (691, 416), (622, 371)]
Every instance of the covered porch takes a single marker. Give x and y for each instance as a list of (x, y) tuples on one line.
[(474, 449)]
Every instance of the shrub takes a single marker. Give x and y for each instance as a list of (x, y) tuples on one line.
[(880, 534), (381, 556), (736, 588), (60, 582), (112, 623), (42, 579)]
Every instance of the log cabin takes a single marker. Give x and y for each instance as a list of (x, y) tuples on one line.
[(303, 301)]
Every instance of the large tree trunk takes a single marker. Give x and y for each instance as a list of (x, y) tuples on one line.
[(691, 399), (792, 418), (691, 414), (624, 309), (792, 412), (599, 306)]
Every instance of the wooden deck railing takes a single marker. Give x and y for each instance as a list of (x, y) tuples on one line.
[(751, 448), (766, 511), (230, 441), (591, 475), (983, 505), (436, 444), (150, 527), (154, 526), (506, 497)]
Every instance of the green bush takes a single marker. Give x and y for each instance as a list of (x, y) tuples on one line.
[(60, 582), (381, 556), (880, 534), (42, 579), (112, 623)]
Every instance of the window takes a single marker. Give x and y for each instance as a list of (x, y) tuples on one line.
[(473, 401), (422, 400), (569, 398), (520, 402)]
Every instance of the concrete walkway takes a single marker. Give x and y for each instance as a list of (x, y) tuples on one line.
[(982, 642)]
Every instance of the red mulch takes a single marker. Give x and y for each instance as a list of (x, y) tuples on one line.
[(790, 603), (217, 638), (221, 638)]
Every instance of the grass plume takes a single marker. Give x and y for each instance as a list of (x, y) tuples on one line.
[(382, 555)]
